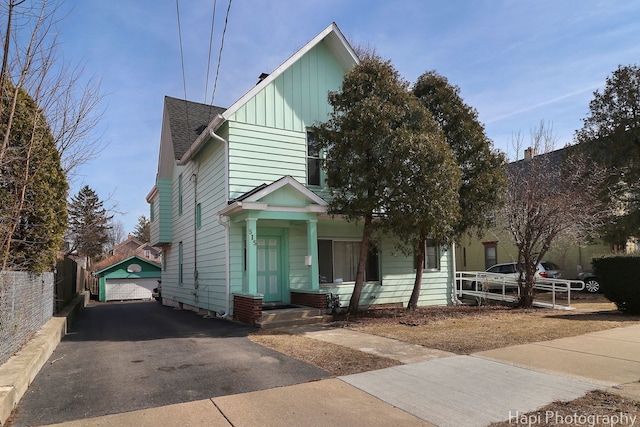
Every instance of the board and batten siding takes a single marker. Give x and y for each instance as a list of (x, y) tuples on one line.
[(296, 98), (267, 134)]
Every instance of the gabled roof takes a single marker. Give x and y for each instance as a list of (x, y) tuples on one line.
[(115, 264), (253, 200), (335, 41), (187, 120)]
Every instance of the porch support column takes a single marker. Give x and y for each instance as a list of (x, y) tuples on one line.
[(252, 256), (312, 250)]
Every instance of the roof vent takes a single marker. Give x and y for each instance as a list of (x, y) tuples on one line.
[(262, 77)]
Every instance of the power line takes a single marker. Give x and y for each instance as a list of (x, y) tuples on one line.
[(213, 19), (224, 30), (184, 79)]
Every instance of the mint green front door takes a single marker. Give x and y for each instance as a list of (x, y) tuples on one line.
[(269, 268)]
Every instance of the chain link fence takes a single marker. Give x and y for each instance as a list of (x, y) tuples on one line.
[(26, 304)]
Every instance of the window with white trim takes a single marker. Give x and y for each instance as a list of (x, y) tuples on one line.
[(314, 159), (431, 256), (338, 261)]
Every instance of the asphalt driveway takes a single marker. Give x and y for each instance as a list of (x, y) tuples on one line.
[(121, 357)]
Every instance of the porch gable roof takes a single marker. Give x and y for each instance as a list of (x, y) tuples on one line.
[(258, 199)]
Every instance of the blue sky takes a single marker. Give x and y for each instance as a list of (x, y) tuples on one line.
[(517, 62)]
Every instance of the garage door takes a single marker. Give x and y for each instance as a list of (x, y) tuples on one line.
[(124, 289)]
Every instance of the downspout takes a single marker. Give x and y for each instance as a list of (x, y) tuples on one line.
[(225, 224), (455, 298)]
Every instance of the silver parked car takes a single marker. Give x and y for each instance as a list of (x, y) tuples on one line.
[(546, 269)]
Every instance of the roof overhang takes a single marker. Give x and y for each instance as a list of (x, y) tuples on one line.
[(331, 35), (152, 194), (197, 145)]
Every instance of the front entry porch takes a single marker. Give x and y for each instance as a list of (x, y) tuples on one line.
[(305, 308), (275, 226)]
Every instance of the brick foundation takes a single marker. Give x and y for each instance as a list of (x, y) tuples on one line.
[(315, 300), (247, 309)]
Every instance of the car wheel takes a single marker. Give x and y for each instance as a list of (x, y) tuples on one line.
[(591, 285)]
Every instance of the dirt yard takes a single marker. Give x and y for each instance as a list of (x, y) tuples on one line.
[(465, 330)]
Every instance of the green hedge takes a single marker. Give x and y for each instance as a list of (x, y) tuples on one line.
[(620, 280)]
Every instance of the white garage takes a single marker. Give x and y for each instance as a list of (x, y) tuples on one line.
[(125, 289)]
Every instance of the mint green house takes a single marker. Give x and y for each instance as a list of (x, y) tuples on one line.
[(239, 210)]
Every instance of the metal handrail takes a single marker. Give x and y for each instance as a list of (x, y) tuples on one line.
[(487, 281)]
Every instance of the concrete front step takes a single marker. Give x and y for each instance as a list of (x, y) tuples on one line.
[(280, 318)]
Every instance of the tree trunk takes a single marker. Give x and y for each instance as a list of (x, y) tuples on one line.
[(417, 284), (526, 285), (354, 303)]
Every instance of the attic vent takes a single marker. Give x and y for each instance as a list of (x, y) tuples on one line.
[(134, 268), (262, 77)]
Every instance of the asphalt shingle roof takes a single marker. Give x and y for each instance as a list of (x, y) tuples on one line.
[(187, 120)]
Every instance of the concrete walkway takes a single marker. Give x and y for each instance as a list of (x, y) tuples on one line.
[(431, 388)]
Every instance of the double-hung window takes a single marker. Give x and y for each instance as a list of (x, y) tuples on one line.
[(431, 256), (338, 261), (314, 160)]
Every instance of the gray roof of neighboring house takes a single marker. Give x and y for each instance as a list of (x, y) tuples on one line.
[(187, 120)]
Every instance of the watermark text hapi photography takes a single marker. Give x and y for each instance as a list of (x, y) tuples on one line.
[(555, 418)]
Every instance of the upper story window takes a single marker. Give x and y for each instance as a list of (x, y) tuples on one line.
[(152, 213), (314, 161)]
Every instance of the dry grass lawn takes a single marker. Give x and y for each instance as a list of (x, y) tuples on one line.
[(465, 330), (469, 329)]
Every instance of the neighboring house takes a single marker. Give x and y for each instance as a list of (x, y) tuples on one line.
[(238, 204), (496, 246), (129, 279), (133, 246)]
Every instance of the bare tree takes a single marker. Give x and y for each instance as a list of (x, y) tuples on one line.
[(551, 195), (116, 235), (31, 66)]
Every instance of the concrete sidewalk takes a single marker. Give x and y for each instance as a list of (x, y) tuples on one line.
[(434, 388)]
